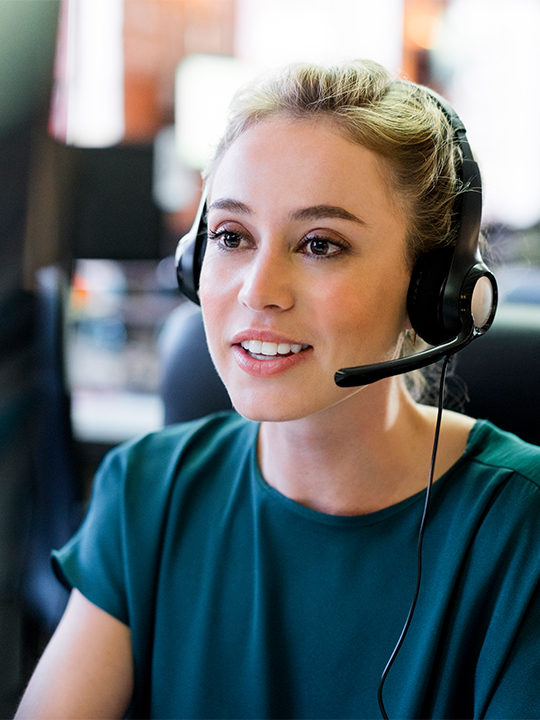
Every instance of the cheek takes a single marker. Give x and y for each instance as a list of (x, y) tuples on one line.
[(389, 297), (212, 288), (210, 301), (219, 278), (217, 299), (360, 311)]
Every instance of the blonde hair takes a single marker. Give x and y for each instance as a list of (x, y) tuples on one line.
[(397, 119)]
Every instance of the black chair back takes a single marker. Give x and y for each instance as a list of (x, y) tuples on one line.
[(501, 372)]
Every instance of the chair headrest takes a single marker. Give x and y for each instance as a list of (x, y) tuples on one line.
[(502, 372)]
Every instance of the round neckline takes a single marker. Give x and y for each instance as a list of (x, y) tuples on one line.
[(366, 519)]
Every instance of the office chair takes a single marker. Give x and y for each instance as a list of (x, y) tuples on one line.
[(501, 372), (56, 507), (190, 385)]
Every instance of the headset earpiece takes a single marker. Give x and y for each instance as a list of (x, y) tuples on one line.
[(425, 295), (190, 253)]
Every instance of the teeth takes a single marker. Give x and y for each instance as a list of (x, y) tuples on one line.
[(269, 348), (256, 347)]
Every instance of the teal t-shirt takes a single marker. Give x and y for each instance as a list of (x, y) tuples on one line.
[(244, 604)]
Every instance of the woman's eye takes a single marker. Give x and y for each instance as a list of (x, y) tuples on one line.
[(320, 247), (227, 239)]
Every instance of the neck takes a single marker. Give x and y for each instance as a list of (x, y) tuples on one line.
[(368, 452)]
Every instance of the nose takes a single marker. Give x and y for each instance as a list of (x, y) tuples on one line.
[(268, 281)]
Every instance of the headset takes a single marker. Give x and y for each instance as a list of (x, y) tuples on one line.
[(452, 295)]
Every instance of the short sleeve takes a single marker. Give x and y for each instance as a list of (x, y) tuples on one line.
[(93, 561)]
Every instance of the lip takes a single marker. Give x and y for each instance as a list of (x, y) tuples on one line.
[(267, 368)]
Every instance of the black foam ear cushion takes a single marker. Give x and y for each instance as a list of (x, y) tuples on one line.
[(424, 298), (186, 269), (189, 255)]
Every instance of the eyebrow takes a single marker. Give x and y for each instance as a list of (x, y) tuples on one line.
[(325, 211), (315, 212), (232, 205)]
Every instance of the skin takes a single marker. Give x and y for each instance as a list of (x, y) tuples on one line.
[(86, 670), (307, 247)]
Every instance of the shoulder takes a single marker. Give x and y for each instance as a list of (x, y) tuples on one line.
[(139, 485), (142, 472), (202, 437), (491, 447), (494, 489), (495, 483)]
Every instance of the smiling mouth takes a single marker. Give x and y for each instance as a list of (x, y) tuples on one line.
[(270, 350)]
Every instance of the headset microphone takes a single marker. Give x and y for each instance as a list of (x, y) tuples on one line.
[(367, 374)]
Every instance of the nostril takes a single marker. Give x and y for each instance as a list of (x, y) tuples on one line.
[(267, 292)]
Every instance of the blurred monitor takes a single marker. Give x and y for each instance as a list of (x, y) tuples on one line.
[(114, 215)]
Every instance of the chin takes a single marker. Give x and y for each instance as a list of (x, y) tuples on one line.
[(266, 407), (260, 412)]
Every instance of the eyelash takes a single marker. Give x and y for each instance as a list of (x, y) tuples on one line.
[(341, 247), (219, 237)]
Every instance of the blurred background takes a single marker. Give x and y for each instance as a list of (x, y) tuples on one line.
[(108, 111)]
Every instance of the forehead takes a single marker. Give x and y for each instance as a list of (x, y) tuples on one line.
[(305, 160)]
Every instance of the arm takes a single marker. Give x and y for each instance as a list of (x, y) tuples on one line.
[(86, 670)]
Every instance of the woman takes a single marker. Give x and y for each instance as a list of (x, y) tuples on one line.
[(262, 564)]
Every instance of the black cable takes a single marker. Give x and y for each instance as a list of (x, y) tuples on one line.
[(420, 539)]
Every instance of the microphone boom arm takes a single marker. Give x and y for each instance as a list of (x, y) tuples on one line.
[(367, 374)]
